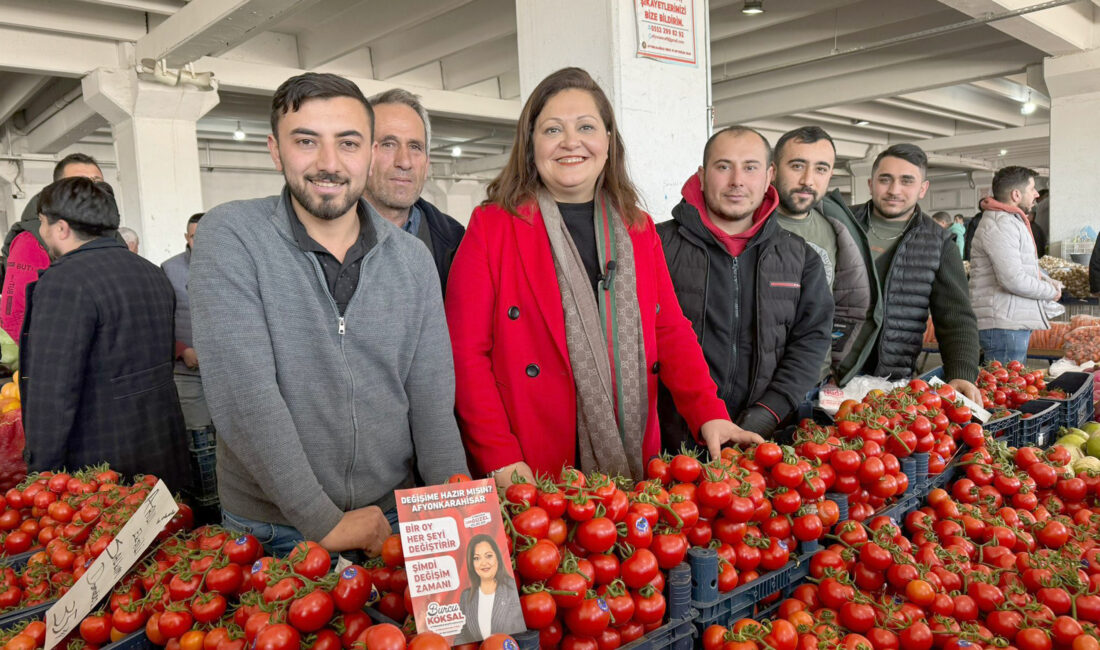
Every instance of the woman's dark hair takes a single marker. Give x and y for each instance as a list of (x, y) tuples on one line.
[(475, 579), (519, 181), (315, 85), (86, 205)]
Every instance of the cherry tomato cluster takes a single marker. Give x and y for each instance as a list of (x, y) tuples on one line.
[(1007, 387), (76, 518), (860, 456), (1007, 557)]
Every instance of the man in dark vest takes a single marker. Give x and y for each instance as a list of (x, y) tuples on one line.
[(402, 137), (919, 270), (755, 293)]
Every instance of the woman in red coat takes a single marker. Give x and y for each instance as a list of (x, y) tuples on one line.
[(561, 311)]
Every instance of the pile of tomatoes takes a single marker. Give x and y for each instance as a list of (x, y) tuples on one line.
[(1007, 387), (73, 518), (1006, 557), (860, 456)]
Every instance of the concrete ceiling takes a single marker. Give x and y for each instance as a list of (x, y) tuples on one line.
[(850, 66)]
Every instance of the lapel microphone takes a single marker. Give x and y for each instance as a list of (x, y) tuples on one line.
[(608, 276)]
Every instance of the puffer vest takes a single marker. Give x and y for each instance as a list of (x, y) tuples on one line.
[(906, 294)]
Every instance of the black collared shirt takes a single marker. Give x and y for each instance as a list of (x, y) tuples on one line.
[(342, 277)]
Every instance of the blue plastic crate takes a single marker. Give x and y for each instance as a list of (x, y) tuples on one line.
[(841, 501), (1044, 421), (1077, 408), (919, 480)]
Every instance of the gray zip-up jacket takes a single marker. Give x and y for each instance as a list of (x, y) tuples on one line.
[(318, 413)]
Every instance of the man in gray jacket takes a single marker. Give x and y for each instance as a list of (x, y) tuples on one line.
[(322, 340), (1007, 287)]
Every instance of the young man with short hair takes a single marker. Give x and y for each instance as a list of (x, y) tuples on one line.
[(96, 350), (1006, 284), (755, 293), (320, 331), (919, 270)]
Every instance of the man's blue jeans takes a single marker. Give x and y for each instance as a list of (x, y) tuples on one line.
[(1004, 345), (278, 540)]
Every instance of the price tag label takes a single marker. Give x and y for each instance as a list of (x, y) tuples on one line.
[(980, 413), (111, 565)]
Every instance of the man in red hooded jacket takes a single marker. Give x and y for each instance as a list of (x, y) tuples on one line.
[(756, 294)]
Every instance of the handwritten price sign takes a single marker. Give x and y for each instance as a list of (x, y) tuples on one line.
[(121, 554)]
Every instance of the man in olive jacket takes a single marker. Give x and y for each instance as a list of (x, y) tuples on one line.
[(756, 294)]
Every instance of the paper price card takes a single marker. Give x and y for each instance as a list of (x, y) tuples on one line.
[(456, 557), (121, 554)]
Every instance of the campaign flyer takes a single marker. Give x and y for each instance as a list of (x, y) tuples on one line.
[(456, 557)]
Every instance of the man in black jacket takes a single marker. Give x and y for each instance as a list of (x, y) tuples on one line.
[(97, 347), (755, 293), (920, 271), (402, 136)]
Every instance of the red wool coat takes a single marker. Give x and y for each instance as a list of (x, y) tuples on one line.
[(515, 396)]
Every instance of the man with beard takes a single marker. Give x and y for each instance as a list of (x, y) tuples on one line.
[(755, 293), (918, 269), (96, 350), (804, 160), (321, 336), (399, 167), (1007, 286)]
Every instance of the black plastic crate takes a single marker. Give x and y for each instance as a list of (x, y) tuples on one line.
[(1077, 408), (1005, 427), (677, 634), (741, 602), (204, 475), (19, 560), (1044, 419), (202, 439), (134, 641), (26, 614)]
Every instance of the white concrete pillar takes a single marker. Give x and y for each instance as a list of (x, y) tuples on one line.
[(661, 107), (861, 173), (157, 151), (1074, 83)]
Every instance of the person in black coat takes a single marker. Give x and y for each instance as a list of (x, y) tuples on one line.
[(492, 592), (97, 347)]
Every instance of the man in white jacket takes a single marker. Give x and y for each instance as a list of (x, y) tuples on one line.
[(1007, 287)]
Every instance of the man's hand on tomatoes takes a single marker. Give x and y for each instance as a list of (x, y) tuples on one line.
[(716, 433), (364, 529), (503, 476), (966, 388)]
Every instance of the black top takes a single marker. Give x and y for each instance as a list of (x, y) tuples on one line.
[(582, 227), (342, 277)]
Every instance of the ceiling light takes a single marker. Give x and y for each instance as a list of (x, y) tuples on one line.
[(1004, 152), (860, 122), (1028, 108), (239, 134), (753, 7), (456, 151)]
